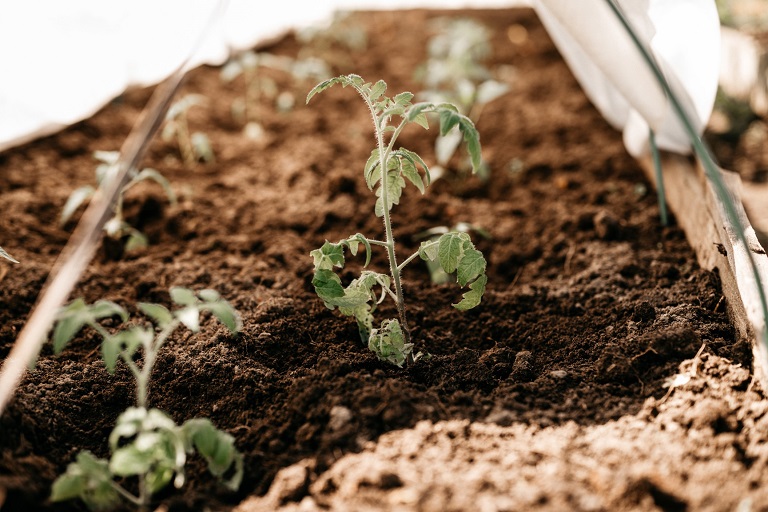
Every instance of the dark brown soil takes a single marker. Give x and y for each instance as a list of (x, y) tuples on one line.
[(591, 306)]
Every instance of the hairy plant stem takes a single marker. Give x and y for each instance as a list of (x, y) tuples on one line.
[(389, 242), (185, 141), (150, 356), (142, 384), (139, 502)]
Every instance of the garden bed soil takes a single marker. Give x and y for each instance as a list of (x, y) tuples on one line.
[(600, 372)]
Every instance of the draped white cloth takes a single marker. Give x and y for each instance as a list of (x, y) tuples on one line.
[(61, 61)]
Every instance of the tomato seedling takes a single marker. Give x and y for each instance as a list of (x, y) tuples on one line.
[(145, 443), (387, 171), (193, 146), (454, 72), (116, 228)]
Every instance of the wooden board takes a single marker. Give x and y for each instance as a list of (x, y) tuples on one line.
[(701, 213)]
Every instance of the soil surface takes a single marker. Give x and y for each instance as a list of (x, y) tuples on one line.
[(600, 372)]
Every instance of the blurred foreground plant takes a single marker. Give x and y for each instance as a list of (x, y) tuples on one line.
[(146, 443), (193, 146)]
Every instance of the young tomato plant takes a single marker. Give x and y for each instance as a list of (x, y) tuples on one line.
[(454, 72), (193, 146), (146, 443), (386, 171), (116, 228)]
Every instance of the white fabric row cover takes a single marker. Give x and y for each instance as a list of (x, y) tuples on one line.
[(62, 61)]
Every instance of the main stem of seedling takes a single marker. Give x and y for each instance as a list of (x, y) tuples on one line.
[(388, 238)]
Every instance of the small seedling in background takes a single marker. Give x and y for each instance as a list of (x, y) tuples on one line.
[(259, 85), (338, 41), (7, 256), (386, 171), (436, 272), (454, 73), (116, 228), (342, 30), (146, 443), (193, 146)]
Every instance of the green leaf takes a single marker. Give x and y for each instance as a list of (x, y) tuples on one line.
[(76, 198), (471, 264), (388, 343), (155, 447), (129, 461), (472, 140), (473, 297), (456, 253), (183, 296), (359, 238), (355, 295), (325, 84), (395, 110), (89, 479), (226, 315), (328, 256), (105, 309), (403, 99), (428, 250), (417, 114), (371, 177), (152, 174), (356, 300), (136, 239), (127, 342), (71, 319), (217, 448), (160, 475), (377, 90), (395, 185), (203, 150), (68, 486), (417, 162), (327, 286), (208, 295), (76, 315), (160, 314), (449, 117), (450, 249)]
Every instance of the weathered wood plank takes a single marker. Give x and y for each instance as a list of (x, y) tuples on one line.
[(700, 213)]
